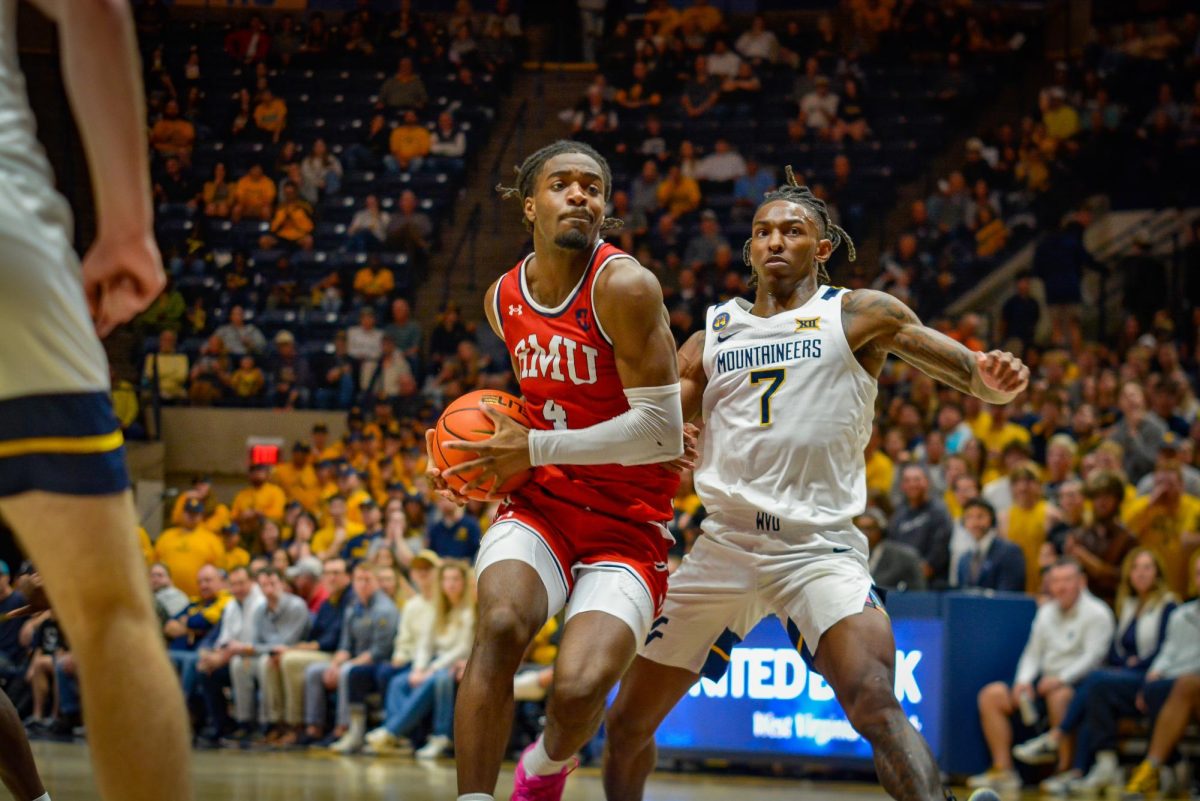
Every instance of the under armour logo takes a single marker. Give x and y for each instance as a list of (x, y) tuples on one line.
[(515, 310)]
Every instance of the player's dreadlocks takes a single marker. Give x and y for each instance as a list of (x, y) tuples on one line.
[(531, 168), (795, 192)]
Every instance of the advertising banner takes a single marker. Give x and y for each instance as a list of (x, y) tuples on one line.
[(769, 705)]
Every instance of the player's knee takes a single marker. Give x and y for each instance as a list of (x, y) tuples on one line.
[(580, 695), (111, 612), (626, 731), (504, 630), (873, 710)]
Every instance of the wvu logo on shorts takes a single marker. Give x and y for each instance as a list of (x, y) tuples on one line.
[(808, 324), (720, 321), (655, 634)]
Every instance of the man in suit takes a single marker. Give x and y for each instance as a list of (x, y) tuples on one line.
[(993, 563), (893, 564)]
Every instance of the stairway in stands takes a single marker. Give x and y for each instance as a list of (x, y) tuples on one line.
[(528, 119)]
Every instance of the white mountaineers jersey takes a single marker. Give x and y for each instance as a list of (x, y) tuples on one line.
[(787, 415)]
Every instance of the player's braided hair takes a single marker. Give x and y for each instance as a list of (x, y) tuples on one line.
[(795, 192), (531, 168)]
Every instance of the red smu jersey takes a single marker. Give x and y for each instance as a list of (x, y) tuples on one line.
[(568, 376)]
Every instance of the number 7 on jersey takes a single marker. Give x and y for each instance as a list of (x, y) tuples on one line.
[(776, 378)]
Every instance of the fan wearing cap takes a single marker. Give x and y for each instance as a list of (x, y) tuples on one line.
[(298, 479), (1165, 521), (355, 451), (288, 358), (322, 447), (186, 548), (372, 448), (358, 546), (1029, 520), (328, 541), (305, 577), (1100, 547), (327, 477), (380, 476), (260, 499), (350, 487), (215, 514), (235, 554)]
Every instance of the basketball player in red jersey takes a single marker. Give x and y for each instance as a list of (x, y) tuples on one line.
[(590, 342)]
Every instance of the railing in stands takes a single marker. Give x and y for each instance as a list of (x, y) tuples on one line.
[(517, 132), (468, 240)]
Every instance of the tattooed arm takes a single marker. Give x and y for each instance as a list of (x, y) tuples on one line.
[(877, 324)]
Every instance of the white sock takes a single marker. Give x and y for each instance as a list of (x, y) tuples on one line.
[(538, 763), (43, 797), (476, 797)]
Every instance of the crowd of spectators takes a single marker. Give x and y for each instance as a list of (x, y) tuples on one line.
[(699, 114), (1121, 120), (301, 169), (1083, 493)]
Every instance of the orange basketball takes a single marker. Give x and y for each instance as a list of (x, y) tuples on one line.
[(463, 420)]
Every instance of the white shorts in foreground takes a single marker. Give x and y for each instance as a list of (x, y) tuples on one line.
[(731, 581)]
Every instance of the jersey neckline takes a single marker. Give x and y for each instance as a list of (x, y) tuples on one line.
[(547, 311), (744, 306)]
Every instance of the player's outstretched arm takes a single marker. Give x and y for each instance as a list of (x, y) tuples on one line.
[(881, 322), (123, 271)]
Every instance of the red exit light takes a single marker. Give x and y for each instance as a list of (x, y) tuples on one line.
[(264, 454)]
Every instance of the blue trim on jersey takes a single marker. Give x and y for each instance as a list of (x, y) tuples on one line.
[(797, 641), (65, 473), (718, 656), (78, 414)]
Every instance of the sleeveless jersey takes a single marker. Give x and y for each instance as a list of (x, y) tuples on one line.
[(568, 377), (787, 415)]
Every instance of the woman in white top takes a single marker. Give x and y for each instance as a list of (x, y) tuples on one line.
[(369, 226), (411, 693), (320, 171), (1144, 603)]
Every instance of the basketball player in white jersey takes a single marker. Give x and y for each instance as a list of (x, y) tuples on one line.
[(787, 389), (64, 488)]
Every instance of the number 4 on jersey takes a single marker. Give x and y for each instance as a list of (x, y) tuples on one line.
[(556, 414), (776, 377)]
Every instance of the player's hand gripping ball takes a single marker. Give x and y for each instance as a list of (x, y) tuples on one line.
[(464, 421)]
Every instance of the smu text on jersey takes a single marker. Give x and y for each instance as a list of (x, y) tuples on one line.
[(547, 362)]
